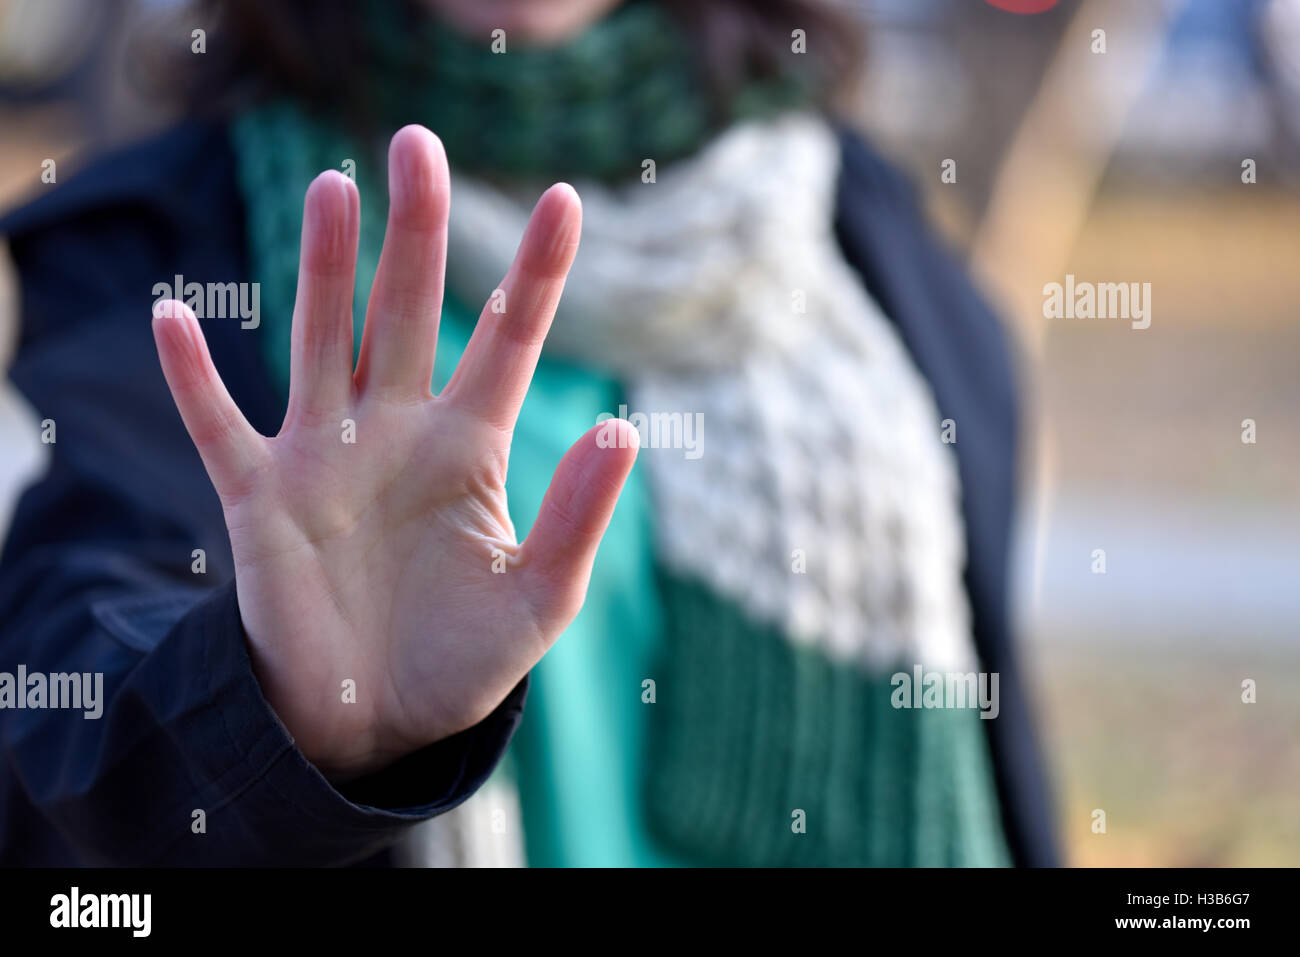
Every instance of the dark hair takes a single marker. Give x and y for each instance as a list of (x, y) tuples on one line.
[(309, 49)]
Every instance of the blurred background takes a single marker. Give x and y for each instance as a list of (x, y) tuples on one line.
[(1122, 166)]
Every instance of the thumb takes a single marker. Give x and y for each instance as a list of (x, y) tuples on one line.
[(561, 547)]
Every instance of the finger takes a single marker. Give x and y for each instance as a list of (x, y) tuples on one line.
[(497, 367), (320, 374), (232, 451), (402, 316), (559, 551)]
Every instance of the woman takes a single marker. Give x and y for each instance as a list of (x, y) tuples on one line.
[(750, 274)]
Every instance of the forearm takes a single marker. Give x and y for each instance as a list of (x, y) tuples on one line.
[(181, 760)]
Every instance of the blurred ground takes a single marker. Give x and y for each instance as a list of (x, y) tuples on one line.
[(30, 136), (1159, 739), (1142, 667)]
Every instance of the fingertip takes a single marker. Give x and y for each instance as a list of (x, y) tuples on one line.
[(331, 216), (624, 434), (171, 308), (617, 438), (171, 320), (179, 342), (416, 134), (415, 151), (577, 510), (418, 178), (556, 228), (332, 187), (566, 193), (633, 436), (562, 207)]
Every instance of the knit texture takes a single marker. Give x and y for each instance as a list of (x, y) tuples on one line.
[(811, 544), (748, 729), (624, 90), (819, 494), (627, 89)]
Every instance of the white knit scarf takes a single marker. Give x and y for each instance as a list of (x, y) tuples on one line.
[(821, 498), (720, 290)]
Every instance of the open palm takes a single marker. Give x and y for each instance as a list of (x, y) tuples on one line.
[(371, 538)]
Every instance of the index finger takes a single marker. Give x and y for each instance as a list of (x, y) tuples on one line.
[(494, 373)]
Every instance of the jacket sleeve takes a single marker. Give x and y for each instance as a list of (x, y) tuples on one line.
[(176, 757)]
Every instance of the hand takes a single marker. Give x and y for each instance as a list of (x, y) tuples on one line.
[(373, 561)]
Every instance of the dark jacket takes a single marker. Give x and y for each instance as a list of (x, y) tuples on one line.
[(96, 572)]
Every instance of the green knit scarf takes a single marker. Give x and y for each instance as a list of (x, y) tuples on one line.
[(626, 89), (594, 106), (748, 729)]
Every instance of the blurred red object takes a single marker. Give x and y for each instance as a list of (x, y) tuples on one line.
[(1023, 6)]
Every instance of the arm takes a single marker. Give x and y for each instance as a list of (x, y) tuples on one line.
[(228, 700)]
